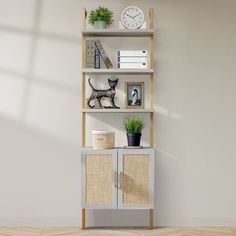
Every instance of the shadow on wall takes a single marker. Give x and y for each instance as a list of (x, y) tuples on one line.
[(27, 68)]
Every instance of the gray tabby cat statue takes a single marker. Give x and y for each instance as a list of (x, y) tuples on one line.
[(98, 94)]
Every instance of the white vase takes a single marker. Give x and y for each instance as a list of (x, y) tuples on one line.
[(100, 24)]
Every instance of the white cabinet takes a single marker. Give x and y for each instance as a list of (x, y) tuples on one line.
[(118, 178)]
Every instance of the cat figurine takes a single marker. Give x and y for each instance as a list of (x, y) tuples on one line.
[(98, 94)]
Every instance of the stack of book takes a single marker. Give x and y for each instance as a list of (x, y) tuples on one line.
[(132, 59), (95, 51)]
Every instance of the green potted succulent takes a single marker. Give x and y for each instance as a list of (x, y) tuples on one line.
[(133, 127), (101, 17)]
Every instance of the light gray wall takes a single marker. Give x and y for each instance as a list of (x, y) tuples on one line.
[(40, 122)]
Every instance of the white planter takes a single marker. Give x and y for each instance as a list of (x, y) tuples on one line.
[(100, 24)]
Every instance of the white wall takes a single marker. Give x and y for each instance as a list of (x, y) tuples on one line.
[(40, 120)]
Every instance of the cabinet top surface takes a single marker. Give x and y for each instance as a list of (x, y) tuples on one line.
[(117, 148)]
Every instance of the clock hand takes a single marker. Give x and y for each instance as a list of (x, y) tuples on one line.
[(129, 15), (132, 17), (137, 15)]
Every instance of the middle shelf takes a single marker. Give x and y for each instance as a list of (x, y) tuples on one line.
[(118, 71), (117, 110)]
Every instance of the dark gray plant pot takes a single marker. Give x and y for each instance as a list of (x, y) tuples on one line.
[(100, 24), (134, 139)]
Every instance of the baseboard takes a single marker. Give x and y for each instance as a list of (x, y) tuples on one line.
[(197, 221), (35, 221), (118, 221)]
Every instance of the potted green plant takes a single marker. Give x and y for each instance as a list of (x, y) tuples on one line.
[(133, 127), (101, 17)]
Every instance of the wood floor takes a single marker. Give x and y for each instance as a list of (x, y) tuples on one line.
[(76, 231)]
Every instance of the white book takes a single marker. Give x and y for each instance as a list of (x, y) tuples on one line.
[(132, 53), (132, 59), (124, 65)]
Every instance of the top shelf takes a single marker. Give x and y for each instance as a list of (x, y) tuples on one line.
[(117, 33)]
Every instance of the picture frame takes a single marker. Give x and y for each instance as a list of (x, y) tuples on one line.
[(134, 95)]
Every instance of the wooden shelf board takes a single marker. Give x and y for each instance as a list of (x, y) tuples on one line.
[(117, 110), (118, 71), (117, 33), (119, 147)]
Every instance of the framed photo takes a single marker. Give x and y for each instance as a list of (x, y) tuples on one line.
[(134, 95)]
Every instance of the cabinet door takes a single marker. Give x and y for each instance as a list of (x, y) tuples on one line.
[(136, 178), (99, 179)]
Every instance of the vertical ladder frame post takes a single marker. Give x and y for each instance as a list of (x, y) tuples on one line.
[(83, 129), (152, 65), (83, 218), (151, 219), (84, 15), (83, 88), (83, 21)]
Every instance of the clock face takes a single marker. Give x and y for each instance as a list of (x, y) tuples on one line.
[(132, 17)]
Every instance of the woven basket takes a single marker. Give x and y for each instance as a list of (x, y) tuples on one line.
[(103, 139)]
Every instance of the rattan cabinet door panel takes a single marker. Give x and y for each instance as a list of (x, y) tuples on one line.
[(136, 178), (99, 179)]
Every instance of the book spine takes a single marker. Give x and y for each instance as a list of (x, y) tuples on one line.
[(90, 46), (103, 54), (124, 65), (133, 53), (132, 59), (96, 59)]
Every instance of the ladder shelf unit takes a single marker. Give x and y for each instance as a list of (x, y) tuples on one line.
[(147, 33)]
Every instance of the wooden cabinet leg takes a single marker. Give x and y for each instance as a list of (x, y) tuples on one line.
[(83, 218), (151, 219)]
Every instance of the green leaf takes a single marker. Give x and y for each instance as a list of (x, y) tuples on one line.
[(101, 13), (133, 125)]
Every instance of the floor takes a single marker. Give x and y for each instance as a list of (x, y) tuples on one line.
[(76, 231)]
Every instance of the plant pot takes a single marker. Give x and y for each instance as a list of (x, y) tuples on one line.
[(134, 139), (100, 24)]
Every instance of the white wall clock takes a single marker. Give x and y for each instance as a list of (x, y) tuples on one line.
[(132, 18)]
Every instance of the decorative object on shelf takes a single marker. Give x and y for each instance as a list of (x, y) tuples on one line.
[(132, 18), (132, 65), (97, 59), (132, 53), (132, 59), (101, 17), (103, 139), (90, 47), (94, 50), (134, 95), (98, 94), (133, 127), (103, 54)]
